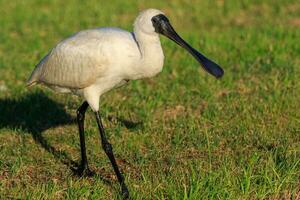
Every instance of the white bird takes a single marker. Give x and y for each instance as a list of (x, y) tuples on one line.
[(92, 62)]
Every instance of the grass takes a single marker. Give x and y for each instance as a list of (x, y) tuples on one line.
[(180, 135)]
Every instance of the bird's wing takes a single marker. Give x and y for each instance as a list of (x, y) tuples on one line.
[(75, 62)]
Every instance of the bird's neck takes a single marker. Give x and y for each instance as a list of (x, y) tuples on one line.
[(152, 56)]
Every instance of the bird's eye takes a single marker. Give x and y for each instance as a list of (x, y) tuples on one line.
[(154, 20)]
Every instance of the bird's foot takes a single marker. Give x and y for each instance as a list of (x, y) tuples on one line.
[(125, 192), (84, 171)]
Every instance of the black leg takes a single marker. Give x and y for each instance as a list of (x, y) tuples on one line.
[(109, 152), (83, 168)]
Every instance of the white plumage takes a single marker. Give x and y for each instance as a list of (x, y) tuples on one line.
[(92, 62)]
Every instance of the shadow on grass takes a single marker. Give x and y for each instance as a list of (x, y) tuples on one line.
[(35, 113), (127, 123)]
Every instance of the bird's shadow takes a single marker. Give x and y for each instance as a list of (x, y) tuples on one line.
[(127, 123), (34, 113)]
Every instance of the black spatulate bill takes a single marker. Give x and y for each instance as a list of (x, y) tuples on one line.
[(163, 26)]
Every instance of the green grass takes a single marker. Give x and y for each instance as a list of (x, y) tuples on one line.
[(180, 135)]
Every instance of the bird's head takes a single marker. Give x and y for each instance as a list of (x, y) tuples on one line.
[(153, 21)]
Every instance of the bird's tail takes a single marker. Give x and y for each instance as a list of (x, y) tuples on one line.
[(30, 83), (34, 78)]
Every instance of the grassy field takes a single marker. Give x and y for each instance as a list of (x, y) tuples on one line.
[(180, 135)]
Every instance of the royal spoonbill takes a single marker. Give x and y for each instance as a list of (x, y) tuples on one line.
[(92, 62)]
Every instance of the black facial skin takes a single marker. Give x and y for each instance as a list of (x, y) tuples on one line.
[(163, 26)]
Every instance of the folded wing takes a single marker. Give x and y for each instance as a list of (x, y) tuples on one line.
[(74, 63)]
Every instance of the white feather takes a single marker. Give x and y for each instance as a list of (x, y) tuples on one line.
[(92, 62)]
